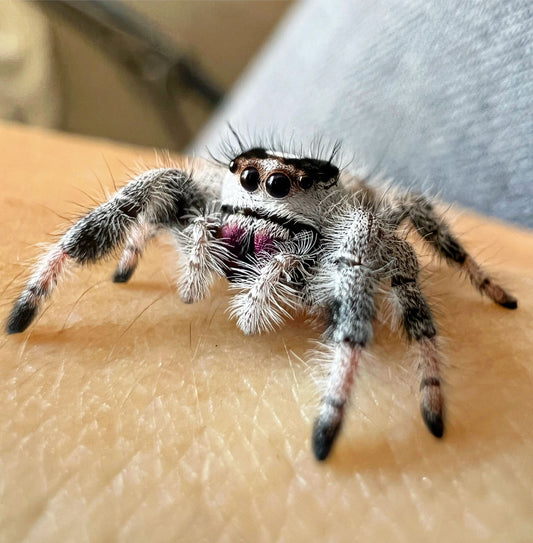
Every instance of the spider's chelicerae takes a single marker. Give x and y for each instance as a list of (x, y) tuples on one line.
[(289, 233)]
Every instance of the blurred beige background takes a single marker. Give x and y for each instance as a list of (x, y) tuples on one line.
[(52, 75)]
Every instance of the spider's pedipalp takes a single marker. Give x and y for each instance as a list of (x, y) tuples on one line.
[(271, 286), (156, 197), (202, 257)]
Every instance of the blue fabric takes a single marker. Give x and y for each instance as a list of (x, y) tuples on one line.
[(438, 94)]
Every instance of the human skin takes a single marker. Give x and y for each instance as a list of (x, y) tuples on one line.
[(127, 415)]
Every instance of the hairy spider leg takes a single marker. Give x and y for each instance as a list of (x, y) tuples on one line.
[(159, 197), (203, 256), (261, 304), (436, 231), (355, 270), (39, 286), (418, 324), (137, 240)]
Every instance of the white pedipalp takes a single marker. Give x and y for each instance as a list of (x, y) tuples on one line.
[(265, 294), (202, 257)]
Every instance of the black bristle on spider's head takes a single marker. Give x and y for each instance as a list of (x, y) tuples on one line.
[(315, 160), (320, 171)]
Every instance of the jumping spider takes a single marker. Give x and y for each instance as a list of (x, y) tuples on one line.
[(289, 233)]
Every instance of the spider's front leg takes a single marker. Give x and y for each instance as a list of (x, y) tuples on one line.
[(156, 198), (348, 282)]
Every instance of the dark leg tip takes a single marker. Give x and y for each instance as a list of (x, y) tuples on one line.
[(500, 296), (434, 422), (21, 317), (509, 303), (122, 276), (324, 434)]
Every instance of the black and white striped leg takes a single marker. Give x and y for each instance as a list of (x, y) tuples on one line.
[(418, 324), (352, 310), (436, 231), (159, 196), (338, 390)]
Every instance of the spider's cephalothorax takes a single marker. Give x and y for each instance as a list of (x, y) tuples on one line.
[(289, 235)]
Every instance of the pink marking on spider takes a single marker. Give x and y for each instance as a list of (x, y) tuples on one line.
[(49, 270), (263, 243), (130, 258), (233, 234)]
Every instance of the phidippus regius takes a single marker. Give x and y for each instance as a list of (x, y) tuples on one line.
[(290, 233)]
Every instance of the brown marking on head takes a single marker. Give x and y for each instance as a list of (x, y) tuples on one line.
[(281, 175)]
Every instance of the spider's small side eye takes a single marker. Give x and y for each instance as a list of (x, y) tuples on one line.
[(278, 185), (250, 179), (233, 166), (305, 182)]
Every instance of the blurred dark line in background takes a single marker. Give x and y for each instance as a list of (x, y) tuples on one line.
[(155, 64), (149, 73)]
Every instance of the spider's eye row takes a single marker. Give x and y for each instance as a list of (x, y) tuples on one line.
[(250, 179), (305, 182), (278, 185), (232, 166)]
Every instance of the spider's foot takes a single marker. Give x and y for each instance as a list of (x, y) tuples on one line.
[(21, 316), (123, 275), (508, 301), (431, 404), (433, 421), (325, 432), (498, 294)]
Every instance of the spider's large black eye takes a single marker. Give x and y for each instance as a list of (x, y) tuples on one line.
[(278, 185), (250, 179), (305, 182)]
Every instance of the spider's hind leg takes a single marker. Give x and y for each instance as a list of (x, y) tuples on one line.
[(418, 324), (435, 231)]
